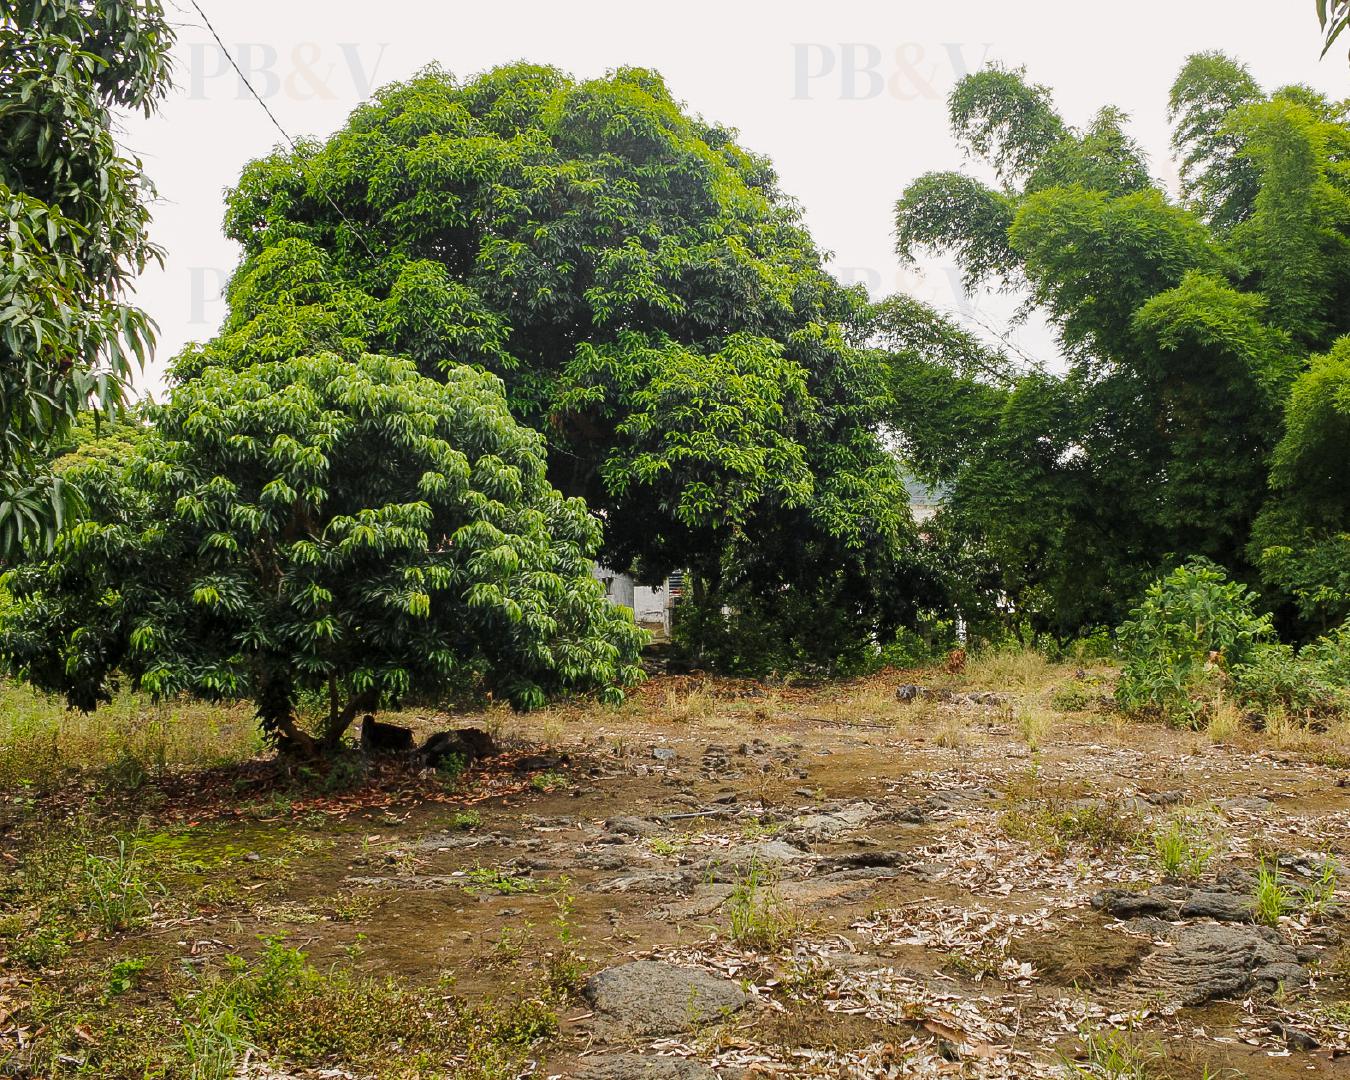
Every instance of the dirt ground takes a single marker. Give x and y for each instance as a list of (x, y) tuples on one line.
[(974, 883)]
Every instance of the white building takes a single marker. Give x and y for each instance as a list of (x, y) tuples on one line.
[(652, 605)]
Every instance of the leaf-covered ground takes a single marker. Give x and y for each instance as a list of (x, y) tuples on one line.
[(999, 878)]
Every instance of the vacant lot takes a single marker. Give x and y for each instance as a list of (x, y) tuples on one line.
[(999, 877)]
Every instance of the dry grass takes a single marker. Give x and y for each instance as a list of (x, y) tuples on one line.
[(1012, 670), (1224, 723), (1034, 725), (131, 738), (681, 705)]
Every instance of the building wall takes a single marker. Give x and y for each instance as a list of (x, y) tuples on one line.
[(650, 605)]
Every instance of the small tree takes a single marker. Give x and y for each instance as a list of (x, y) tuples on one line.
[(326, 525)]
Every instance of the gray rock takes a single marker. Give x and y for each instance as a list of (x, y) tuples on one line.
[(1173, 902), (1223, 906), (831, 823), (865, 860), (656, 882), (633, 826), (650, 997), (644, 1067), (663, 753), (1209, 960), (734, 863), (1294, 1038), (1124, 904)]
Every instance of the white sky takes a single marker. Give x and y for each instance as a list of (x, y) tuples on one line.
[(847, 98)]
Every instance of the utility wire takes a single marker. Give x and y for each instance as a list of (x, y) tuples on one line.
[(356, 231)]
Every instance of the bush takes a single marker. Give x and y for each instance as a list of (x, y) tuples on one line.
[(1313, 682), (1192, 627)]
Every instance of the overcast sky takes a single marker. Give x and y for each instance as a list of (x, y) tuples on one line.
[(846, 97)]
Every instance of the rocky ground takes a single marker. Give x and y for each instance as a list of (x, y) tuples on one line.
[(959, 881)]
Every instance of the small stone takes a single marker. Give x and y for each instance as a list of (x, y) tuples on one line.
[(1294, 1038), (632, 826), (663, 753), (1124, 904)]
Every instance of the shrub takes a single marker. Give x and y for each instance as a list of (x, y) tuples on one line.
[(1191, 627), (1312, 682)]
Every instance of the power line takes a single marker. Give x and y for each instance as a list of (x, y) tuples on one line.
[(356, 231)]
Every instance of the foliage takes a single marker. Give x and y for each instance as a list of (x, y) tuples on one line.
[(73, 218), (1184, 326), (1334, 17), (1270, 899), (646, 293), (323, 524), (1301, 541), (1183, 848), (1312, 682), (1190, 627)]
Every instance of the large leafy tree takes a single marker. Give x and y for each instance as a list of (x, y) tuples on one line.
[(338, 525), (1301, 540), (73, 219), (644, 290), (1182, 324)]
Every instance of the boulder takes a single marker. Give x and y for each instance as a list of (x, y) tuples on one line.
[(467, 744), (644, 1067), (1211, 960), (651, 997)]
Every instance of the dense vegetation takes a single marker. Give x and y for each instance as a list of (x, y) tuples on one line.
[(495, 329), (336, 525), (1202, 407), (648, 297)]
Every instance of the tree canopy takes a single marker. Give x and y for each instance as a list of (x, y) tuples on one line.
[(645, 292), (1183, 324), (73, 218)]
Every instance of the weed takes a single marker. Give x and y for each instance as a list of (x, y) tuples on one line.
[(450, 768), (214, 1039), (548, 781), (1224, 722), (492, 879), (758, 919), (1077, 695), (1317, 897), (508, 949), (1052, 821), (809, 981), (1271, 899), (1110, 1055), (691, 705), (565, 967), (660, 845), (464, 820), (115, 893), (123, 975), (759, 829), (1008, 669), (1182, 849), (1034, 725)]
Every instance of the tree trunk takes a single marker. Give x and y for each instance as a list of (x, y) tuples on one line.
[(362, 701)]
